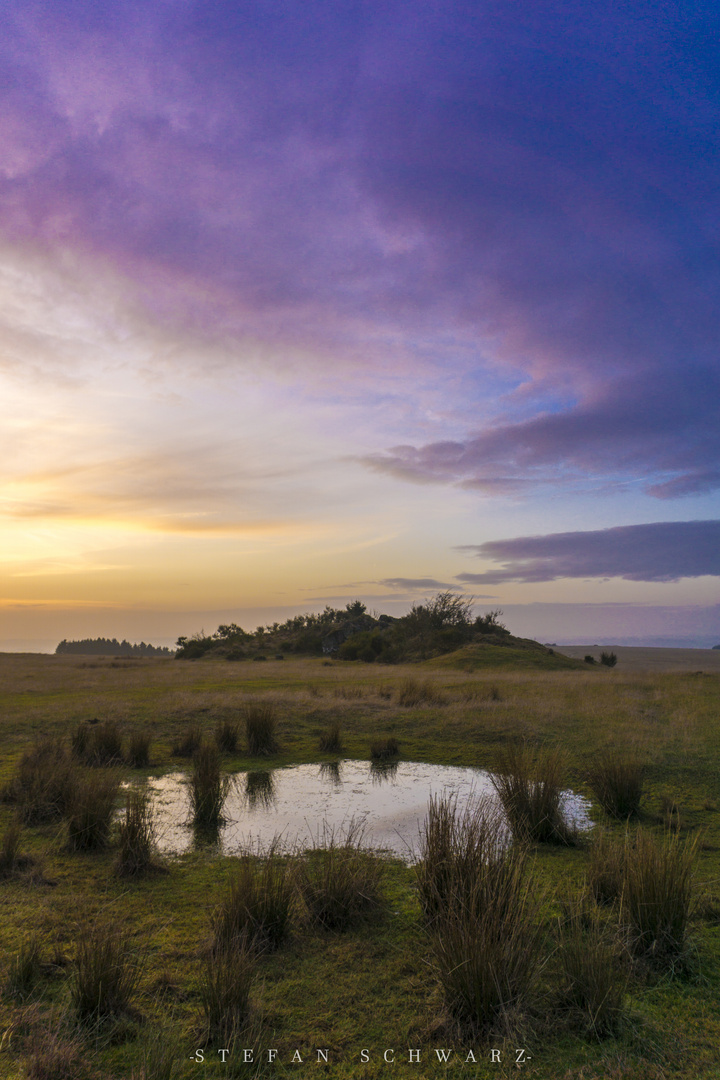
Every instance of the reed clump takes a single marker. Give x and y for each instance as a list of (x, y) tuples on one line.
[(188, 742), (331, 741), (261, 728), (43, 783), (616, 780), (10, 858), (136, 836), (90, 811), (594, 982), (529, 786), (340, 881), (98, 743), (224, 987), (259, 902), (227, 737), (606, 869), (138, 754), (105, 974), (482, 906), (208, 787), (658, 895), (385, 749), (24, 969)]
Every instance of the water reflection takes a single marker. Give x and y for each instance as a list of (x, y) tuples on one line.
[(383, 772), (260, 789), (297, 803), (331, 772)]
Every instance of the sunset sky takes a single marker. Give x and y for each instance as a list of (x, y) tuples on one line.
[(307, 301)]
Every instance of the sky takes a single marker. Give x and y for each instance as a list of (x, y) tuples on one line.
[(303, 302)]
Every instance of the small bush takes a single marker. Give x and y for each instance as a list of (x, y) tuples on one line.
[(105, 972), (330, 741), (616, 780), (607, 869), (412, 692), (382, 751), (138, 755), (137, 836), (225, 985), (89, 815), (24, 969), (609, 659), (259, 902), (529, 786), (43, 782), (340, 882), (187, 744), (208, 788), (227, 737), (658, 895), (589, 659), (260, 728), (594, 984)]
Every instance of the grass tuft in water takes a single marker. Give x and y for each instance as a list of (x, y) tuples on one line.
[(208, 787), (529, 786), (136, 836), (90, 812)]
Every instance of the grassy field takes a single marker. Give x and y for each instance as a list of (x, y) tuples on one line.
[(374, 986)]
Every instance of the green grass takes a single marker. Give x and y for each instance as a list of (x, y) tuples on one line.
[(377, 985)]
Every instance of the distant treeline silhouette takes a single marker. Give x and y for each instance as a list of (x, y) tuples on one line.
[(111, 647)]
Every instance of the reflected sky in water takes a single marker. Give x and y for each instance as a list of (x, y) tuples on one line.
[(300, 802)]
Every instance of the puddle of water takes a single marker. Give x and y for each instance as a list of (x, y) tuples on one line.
[(301, 801)]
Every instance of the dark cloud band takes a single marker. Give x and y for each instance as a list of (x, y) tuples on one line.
[(661, 551)]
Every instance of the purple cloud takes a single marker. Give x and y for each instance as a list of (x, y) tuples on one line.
[(661, 551), (369, 185)]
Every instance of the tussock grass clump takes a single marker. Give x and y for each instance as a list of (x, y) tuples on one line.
[(90, 812), (457, 850), (95, 743), (57, 1057), (43, 782), (137, 836), (105, 974), (10, 857), (138, 755), (208, 787), (385, 749), (412, 692), (224, 987), (483, 909), (593, 980), (24, 969), (260, 729), (616, 780), (159, 1057), (606, 868), (529, 786), (330, 740), (227, 736), (658, 896), (259, 902), (340, 881), (187, 744)]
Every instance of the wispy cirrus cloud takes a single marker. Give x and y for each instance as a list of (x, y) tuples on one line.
[(660, 551)]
